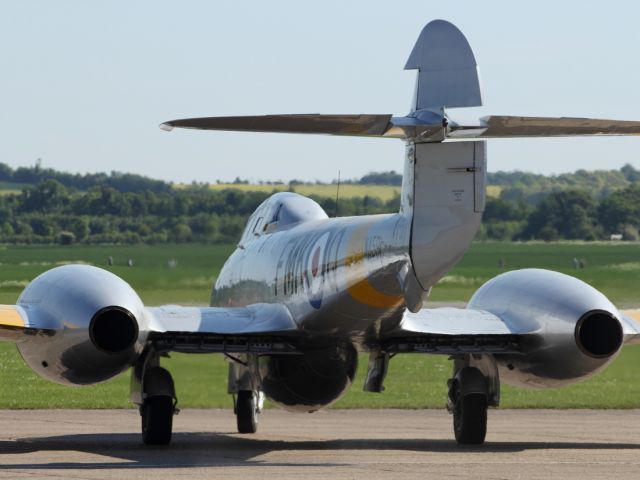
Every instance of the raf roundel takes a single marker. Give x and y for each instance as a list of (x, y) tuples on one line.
[(314, 276)]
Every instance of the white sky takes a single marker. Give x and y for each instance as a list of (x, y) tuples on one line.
[(85, 84)]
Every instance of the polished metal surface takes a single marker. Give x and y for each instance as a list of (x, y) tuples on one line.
[(447, 201), (547, 307), (254, 319), (337, 275), (60, 304)]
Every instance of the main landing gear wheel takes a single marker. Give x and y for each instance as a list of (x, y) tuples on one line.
[(248, 407), (157, 419), (470, 419)]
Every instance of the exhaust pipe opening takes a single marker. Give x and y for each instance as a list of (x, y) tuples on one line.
[(599, 334), (113, 329)]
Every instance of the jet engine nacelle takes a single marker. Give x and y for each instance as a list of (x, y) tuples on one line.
[(574, 329), (89, 325)]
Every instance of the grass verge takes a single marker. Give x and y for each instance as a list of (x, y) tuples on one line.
[(414, 381)]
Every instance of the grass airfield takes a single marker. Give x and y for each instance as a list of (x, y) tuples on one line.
[(413, 381)]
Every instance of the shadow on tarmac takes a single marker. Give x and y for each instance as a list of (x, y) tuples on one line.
[(192, 450)]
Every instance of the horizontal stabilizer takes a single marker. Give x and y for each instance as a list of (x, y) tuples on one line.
[(425, 126), (514, 127), (355, 125)]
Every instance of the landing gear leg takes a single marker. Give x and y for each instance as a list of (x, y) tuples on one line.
[(152, 389), (243, 383), (474, 387), (248, 408)]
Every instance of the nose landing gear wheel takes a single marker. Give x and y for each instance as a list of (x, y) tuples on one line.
[(157, 420), (247, 410), (470, 419)]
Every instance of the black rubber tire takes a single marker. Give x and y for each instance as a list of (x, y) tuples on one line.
[(470, 419), (247, 411), (157, 420)]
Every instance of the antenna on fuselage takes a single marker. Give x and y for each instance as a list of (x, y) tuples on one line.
[(337, 193)]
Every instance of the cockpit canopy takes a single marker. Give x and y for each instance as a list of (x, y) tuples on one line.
[(281, 211)]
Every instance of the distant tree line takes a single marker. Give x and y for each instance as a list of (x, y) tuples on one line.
[(122, 208), (566, 214), (381, 178), (50, 212), (123, 182), (532, 188)]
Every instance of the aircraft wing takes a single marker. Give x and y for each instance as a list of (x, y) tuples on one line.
[(460, 330), (14, 323), (259, 327), (454, 330), (631, 326)]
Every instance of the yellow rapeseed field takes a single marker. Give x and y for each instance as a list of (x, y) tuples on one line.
[(384, 192)]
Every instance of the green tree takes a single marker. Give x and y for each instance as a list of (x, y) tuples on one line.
[(621, 208), (66, 238), (570, 213), (48, 196)]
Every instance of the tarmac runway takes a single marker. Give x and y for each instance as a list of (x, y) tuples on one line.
[(334, 444)]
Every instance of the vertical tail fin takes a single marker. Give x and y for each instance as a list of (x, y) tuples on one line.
[(443, 185), (444, 194), (447, 70)]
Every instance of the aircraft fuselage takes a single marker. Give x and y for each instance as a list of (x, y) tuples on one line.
[(338, 276)]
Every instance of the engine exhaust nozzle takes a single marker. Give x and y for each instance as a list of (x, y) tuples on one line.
[(113, 329), (599, 334)]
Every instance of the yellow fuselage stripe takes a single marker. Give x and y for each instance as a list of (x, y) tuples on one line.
[(10, 317), (362, 291), (366, 294)]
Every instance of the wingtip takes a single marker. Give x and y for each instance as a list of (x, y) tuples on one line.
[(167, 127)]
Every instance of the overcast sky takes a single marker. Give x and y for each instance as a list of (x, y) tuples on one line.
[(84, 85)]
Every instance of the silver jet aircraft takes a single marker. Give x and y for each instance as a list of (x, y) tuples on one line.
[(304, 294)]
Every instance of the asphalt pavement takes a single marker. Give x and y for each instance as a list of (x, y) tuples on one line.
[(333, 444)]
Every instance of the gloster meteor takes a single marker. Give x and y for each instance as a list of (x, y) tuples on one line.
[(304, 294)]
